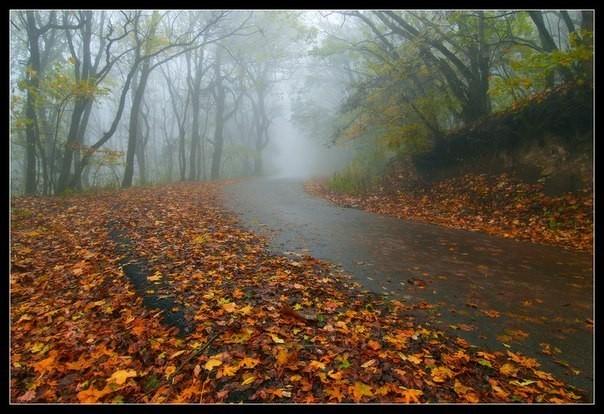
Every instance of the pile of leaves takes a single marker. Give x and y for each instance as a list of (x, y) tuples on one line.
[(498, 205), (265, 328)]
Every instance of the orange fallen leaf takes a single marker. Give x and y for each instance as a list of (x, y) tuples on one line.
[(375, 345), (409, 395), (441, 374)]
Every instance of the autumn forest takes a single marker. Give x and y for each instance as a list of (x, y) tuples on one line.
[(296, 206)]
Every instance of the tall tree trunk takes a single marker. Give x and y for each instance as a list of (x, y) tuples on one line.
[(33, 83), (83, 71), (134, 125), (195, 103), (143, 138), (219, 123)]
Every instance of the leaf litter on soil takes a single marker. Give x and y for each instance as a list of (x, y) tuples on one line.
[(265, 328)]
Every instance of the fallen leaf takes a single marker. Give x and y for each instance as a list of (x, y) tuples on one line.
[(441, 374), (360, 390), (212, 363), (119, 377)]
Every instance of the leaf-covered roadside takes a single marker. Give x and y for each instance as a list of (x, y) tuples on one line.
[(498, 205), (266, 328)]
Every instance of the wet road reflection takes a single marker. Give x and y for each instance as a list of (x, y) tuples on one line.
[(496, 293)]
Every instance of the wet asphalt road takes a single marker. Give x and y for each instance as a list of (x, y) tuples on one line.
[(542, 295)]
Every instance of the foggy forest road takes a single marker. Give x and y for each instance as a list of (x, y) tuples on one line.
[(542, 295)]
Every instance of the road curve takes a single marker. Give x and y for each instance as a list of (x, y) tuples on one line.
[(536, 299)]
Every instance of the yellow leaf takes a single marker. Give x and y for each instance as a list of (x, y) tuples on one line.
[(360, 390), (230, 307), (316, 365), (508, 369), (248, 380), (155, 277), (246, 310), (335, 375), (368, 363), (414, 359), (277, 340), (202, 238), (212, 363), (119, 377), (37, 347)]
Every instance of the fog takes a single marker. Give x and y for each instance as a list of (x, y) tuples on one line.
[(296, 153), (110, 98), (163, 96)]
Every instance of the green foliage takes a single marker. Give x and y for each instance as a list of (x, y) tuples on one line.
[(362, 175), (529, 70)]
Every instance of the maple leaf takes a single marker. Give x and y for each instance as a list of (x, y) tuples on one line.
[(92, 395), (360, 390), (508, 369), (230, 370), (249, 362), (441, 374), (46, 364), (316, 365), (119, 377), (334, 393), (409, 395), (524, 361)]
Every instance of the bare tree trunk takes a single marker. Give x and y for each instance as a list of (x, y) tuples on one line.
[(195, 103), (33, 77), (134, 125), (219, 122)]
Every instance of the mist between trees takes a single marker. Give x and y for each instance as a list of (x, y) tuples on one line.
[(120, 98)]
